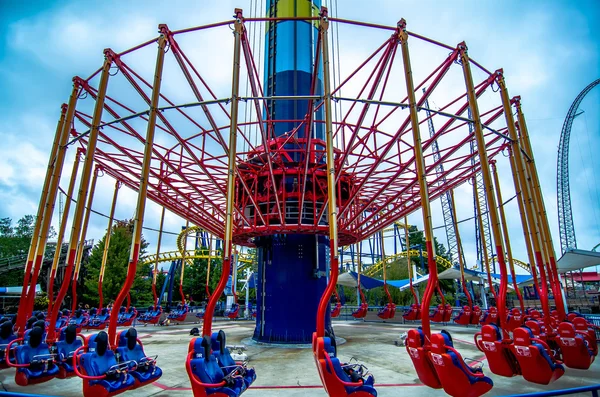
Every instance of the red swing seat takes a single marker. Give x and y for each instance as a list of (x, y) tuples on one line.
[(464, 317), (337, 378), (387, 312), (415, 346), (335, 312), (535, 358), (457, 378), (438, 314), (447, 313), (413, 313), (583, 327), (575, 347), (361, 312), (497, 352), (475, 315), (515, 319), (490, 316)]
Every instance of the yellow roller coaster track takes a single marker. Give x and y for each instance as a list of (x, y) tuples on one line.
[(416, 254)]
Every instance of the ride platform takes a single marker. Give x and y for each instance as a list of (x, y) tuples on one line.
[(291, 372)]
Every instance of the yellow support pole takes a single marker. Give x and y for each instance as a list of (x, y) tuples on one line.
[(505, 234), (543, 215), (81, 246), (62, 229), (138, 221), (82, 194), (231, 170), (422, 177), (107, 244), (523, 216), (487, 180), (331, 185), (40, 249), (519, 168), (155, 271)]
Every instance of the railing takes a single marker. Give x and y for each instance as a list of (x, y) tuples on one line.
[(593, 390)]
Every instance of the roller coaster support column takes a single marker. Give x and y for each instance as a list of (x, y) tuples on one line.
[(83, 191), (107, 244), (81, 247), (505, 234), (63, 228), (422, 176), (487, 180), (459, 249), (155, 271), (231, 166), (483, 241), (181, 275), (559, 296), (24, 310), (519, 170), (58, 159), (138, 221), (331, 185)]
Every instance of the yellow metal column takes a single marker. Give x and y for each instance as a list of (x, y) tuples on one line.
[(545, 227), (505, 234), (82, 194), (519, 169), (487, 180), (107, 243), (459, 247), (486, 258), (62, 229), (58, 162), (421, 175), (231, 169), (81, 247), (138, 221)]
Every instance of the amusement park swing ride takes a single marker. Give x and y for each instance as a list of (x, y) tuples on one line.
[(309, 170)]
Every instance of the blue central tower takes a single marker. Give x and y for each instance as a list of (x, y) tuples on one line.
[(292, 267)]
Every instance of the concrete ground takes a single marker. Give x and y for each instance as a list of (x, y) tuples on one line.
[(292, 372)]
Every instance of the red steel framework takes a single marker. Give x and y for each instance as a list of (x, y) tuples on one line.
[(376, 176)]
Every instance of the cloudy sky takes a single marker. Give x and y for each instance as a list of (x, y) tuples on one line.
[(548, 50)]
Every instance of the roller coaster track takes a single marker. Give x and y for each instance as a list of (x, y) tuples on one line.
[(565, 213), (246, 260), (416, 254)]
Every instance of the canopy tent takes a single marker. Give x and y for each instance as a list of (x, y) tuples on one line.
[(350, 279), (17, 290), (399, 283), (575, 259)]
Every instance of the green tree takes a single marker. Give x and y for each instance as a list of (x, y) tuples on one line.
[(116, 269)]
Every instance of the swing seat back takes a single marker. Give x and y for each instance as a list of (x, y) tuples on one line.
[(464, 317), (335, 380), (515, 319), (361, 312), (490, 316), (475, 315), (535, 361), (457, 378), (413, 313), (498, 354), (447, 313), (574, 347), (582, 326), (39, 361), (335, 312), (415, 346), (438, 314), (387, 312)]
